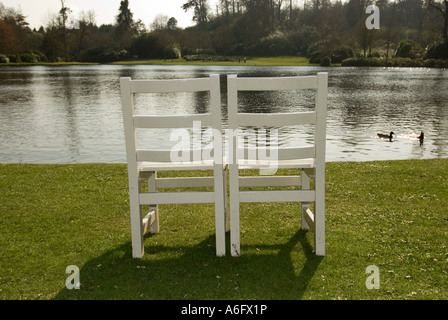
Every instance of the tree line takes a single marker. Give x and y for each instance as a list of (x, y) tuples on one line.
[(322, 30)]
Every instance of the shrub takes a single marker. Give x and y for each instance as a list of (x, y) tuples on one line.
[(104, 55), (205, 58), (409, 49), (340, 53), (315, 57), (435, 63), (395, 62), (4, 58), (43, 57), (374, 54), (438, 51), (29, 57), (350, 62), (14, 58), (318, 50), (151, 46), (325, 61), (146, 47), (363, 62), (275, 44), (301, 39)]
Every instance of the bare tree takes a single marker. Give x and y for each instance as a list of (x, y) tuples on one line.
[(160, 22), (86, 21), (442, 7), (200, 9)]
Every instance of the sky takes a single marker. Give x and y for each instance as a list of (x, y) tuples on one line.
[(38, 11)]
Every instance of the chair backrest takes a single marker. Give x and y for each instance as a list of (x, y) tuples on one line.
[(236, 119), (133, 121)]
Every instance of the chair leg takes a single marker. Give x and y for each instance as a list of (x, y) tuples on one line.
[(319, 216), (226, 207), (305, 180), (152, 188), (136, 225), (220, 232), (319, 233), (234, 211)]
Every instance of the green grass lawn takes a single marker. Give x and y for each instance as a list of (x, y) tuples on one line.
[(392, 214)]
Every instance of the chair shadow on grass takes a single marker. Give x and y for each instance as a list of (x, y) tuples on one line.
[(269, 272)]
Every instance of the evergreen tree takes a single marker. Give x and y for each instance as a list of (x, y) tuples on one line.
[(125, 17), (125, 25)]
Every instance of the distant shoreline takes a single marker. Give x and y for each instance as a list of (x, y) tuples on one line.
[(230, 61), (57, 64), (258, 61)]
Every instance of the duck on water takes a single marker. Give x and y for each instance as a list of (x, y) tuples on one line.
[(386, 136), (421, 137), (389, 136)]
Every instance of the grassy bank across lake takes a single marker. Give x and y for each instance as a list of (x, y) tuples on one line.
[(391, 214), (48, 64), (234, 61)]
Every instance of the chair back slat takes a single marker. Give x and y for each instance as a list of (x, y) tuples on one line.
[(172, 85), (183, 121), (275, 84), (276, 119)]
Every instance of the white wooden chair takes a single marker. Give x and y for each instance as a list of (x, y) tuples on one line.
[(310, 160), (143, 164)]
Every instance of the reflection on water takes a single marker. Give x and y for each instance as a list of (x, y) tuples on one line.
[(73, 114)]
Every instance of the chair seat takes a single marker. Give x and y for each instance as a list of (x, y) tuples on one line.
[(280, 164), (175, 166)]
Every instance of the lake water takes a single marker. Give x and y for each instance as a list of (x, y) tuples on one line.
[(72, 114)]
